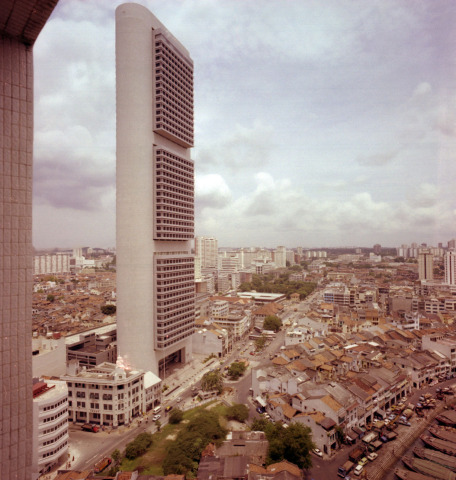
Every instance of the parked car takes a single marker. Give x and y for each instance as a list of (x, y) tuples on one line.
[(372, 456), (363, 461), (358, 469), (317, 452)]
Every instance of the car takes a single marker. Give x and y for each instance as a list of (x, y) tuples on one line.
[(358, 469), (392, 417), (363, 461), (372, 456), (387, 422), (317, 452), (156, 417), (168, 408)]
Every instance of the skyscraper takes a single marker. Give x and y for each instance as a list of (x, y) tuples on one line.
[(425, 264), (20, 25), (280, 257), (206, 248), (450, 267), (155, 192)]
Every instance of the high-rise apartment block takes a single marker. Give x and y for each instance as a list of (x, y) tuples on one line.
[(206, 248), (450, 267), (51, 263), (155, 192), (20, 25), (280, 257), (425, 265)]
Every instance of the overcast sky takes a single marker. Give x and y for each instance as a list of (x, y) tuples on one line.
[(317, 123)]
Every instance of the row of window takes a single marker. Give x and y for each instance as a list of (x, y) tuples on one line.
[(183, 93), (48, 454), (161, 102), (166, 183), (56, 427), (178, 62), (163, 170), (185, 266), (174, 109), (185, 334), (178, 237), (183, 89), (173, 118), (54, 406), (54, 417), (178, 318), (177, 132), (164, 63), (166, 58), (53, 440), (167, 332)]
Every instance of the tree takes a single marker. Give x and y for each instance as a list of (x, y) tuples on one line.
[(339, 434), (184, 453), (139, 445), (238, 412), (236, 370), (260, 342), (272, 322), (176, 416), (212, 381), (116, 455), (292, 444), (108, 309), (50, 297)]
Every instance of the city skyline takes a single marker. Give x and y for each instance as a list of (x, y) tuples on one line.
[(336, 130)]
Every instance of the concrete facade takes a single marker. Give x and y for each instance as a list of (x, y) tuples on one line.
[(20, 24), (155, 192), (50, 425), (104, 395)]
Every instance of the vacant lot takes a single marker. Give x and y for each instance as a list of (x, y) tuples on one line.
[(151, 462)]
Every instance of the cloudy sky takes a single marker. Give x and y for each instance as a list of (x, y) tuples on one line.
[(316, 123)]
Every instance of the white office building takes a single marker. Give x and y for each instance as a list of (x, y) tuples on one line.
[(155, 192)]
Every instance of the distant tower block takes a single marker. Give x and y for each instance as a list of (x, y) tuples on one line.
[(425, 264), (155, 193), (450, 267)]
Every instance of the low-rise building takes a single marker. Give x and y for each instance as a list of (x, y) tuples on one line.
[(108, 394), (94, 348)]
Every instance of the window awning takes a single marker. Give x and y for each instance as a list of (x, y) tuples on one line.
[(357, 430)]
